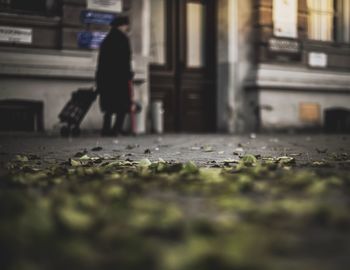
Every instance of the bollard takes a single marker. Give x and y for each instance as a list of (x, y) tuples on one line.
[(157, 117)]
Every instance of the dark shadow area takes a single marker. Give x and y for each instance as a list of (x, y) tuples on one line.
[(337, 120), (21, 115)]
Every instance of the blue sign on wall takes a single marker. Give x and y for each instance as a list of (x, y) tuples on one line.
[(90, 40), (88, 17)]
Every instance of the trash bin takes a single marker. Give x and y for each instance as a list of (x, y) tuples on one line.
[(157, 117)]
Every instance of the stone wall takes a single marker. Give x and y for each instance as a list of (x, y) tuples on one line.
[(235, 60)]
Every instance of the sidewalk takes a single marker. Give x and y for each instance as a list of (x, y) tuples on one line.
[(201, 149), (99, 203)]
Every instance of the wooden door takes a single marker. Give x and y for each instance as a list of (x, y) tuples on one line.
[(185, 80)]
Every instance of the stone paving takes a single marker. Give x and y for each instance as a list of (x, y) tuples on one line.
[(202, 149), (94, 213)]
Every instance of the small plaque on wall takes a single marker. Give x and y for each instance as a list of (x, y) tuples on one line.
[(318, 59), (310, 112), (11, 34), (96, 17), (284, 45), (105, 5), (90, 40)]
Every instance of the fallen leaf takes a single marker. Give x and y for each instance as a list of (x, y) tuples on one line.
[(295, 155), (74, 219), (21, 158), (321, 163), (85, 157), (80, 154), (285, 160), (75, 163), (190, 168), (208, 149), (249, 160), (144, 163), (238, 149)]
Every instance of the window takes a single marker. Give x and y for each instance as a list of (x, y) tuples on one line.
[(5, 4), (343, 21), (41, 7), (158, 34), (285, 18), (195, 35), (321, 18)]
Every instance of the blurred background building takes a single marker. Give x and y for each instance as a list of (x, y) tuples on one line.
[(224, 65)]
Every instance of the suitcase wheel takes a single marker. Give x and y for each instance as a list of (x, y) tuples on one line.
[(65, 131), (75, 131)]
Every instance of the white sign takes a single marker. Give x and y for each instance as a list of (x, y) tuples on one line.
[(16, 35), (318, 59), (105, 5), (285, 18)]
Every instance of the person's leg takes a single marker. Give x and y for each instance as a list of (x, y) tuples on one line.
[(106, 128), (119, 122)]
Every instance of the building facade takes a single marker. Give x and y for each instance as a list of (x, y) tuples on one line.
[(51, 62), (302, 75), (217, 65)]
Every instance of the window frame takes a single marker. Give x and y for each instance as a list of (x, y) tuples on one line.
[(338, 21), (55, 11)]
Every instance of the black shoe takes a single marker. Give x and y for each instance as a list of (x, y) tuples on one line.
[(107, 133), (121, 133)]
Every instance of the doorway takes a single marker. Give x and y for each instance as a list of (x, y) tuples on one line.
[(183, 72)]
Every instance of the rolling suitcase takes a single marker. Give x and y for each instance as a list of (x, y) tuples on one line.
[(75, 110)]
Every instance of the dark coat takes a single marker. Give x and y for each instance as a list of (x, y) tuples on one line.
[(114, 72)]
